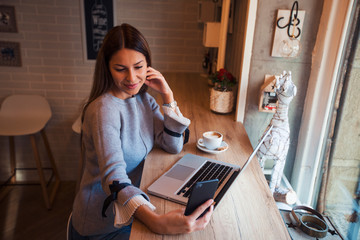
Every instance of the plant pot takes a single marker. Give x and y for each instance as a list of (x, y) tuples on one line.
[(222, 102)]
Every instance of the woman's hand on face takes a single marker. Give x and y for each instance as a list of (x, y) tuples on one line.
[(176, 222), (155, 80)]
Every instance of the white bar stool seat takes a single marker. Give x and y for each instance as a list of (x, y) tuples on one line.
[(28, 115)]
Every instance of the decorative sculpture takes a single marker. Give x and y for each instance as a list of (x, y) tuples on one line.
[(276, 145)]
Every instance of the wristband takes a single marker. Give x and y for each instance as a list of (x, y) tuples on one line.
[(172, 105)]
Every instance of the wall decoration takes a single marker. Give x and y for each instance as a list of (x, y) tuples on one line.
[(288, 31), (7, 19), (10, 54), (98, 18)]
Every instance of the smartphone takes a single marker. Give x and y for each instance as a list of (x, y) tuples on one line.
[(201, 192)]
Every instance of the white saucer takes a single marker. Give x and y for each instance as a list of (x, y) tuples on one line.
[(224, 146)]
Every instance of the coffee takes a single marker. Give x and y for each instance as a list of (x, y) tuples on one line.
[(213, 135), (212, 139)]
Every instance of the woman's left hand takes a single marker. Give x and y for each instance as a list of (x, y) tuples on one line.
[(155, 80)]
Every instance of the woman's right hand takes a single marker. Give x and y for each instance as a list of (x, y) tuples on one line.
[(175, 222), (156, 81)]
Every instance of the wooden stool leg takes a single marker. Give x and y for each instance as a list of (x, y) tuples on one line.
[(12, 158), (53, 165), (40, 171)]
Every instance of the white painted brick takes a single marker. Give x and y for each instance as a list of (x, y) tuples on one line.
[(15, 85), (84, 79), (165, 42), (28, 27), (75, 12), (11, 37), (5, 76), (58, 62), (182, 34), (194, 26), (41, 36), (18, 76), (168, 58), (68, 3), (55, 45), (29, 91), (62, 109), (194, 43), (50, 28), (43, 69), (13, 69), (25, 8), (42, 53), (10, 2), (76, 29), (46, 86), (70, 37), (74, 102), (182, 50), (76, 86), (68, 19), (39, 2), (184, 67), (177, 25), (76, 46), (29, 44), (71, 54), (193, 59), (31, 61), (59, 78), (32, 18), (60, 94), (78, 70), (83, 94), (56, 10)]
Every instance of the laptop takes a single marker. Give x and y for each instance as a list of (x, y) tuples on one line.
[(176, 184)]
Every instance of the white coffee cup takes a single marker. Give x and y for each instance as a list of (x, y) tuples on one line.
[(212, 139)]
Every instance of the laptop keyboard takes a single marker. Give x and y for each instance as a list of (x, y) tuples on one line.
[(208, 171)]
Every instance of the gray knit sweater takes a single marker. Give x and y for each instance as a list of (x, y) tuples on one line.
[(117, 135)]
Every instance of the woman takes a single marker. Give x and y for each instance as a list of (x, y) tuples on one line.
[(121, 124)]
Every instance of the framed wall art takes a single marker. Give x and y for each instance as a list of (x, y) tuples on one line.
[(7, 19), (10, 54), (97, 19)]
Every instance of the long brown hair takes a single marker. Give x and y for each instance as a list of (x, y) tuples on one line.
[(119, 37)]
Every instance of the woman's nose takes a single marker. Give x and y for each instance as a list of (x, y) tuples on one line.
[(131, 75)]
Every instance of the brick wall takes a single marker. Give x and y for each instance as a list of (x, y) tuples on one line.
[(49, 32)]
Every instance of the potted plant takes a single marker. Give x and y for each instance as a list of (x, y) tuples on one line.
[(222, 94)]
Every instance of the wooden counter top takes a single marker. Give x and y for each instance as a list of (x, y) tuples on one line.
[(248, 211)]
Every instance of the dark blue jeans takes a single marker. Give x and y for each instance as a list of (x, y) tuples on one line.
[(121, 234)]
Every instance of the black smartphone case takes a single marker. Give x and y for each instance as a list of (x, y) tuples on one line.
[(201, 192)]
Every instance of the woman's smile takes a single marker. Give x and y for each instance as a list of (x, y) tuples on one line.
[(131, 86)]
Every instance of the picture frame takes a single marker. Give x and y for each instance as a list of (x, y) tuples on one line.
[(98, 18), (10, 55), (7, 19)]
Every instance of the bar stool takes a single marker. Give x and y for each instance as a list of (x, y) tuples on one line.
[(28, 115)]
